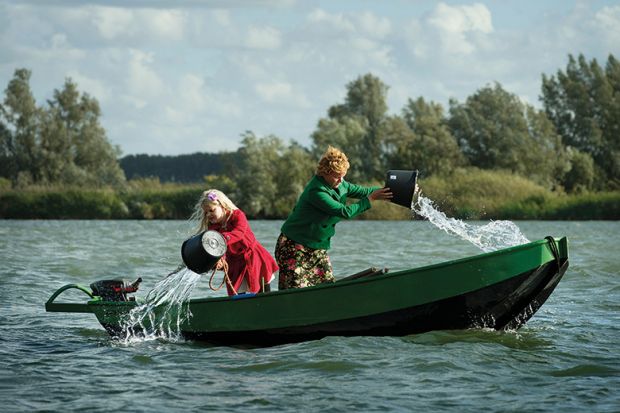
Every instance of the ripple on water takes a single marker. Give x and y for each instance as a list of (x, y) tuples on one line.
[(564, 359), (586, 370)]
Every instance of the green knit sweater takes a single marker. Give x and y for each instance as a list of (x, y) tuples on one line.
[(320, 207)]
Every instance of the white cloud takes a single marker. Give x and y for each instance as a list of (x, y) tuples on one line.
[(191, 90), (60, 46), (373, 25), (165, 24), (273, 91), (335, 22), (281, 92), (176, 77), (266, 38), (608, 22), (112, 22), (143, 84), (94, 87), (453, 25), (222, 17)]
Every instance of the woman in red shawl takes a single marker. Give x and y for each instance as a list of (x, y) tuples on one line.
[(250, 267)]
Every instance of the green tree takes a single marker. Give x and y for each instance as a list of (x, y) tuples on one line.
[(495, 130), (580, 176), (63, 143), (81, 141), (430, 147), (258, 159), (19, 129), (401, 147), (294, 169), (222, 182), (346, 133), (364, 110), (584, 105), (270, 176)]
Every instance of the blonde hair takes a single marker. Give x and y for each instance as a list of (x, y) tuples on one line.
[(333, 160), (210, 197)]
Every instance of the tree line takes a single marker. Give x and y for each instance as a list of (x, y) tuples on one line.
[(61, 142), (570, 145), (187, 168)]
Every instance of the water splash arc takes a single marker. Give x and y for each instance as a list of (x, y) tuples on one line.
[(164, 310), (490, 237)]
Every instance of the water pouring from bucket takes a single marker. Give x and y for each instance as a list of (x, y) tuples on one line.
[(167, 305), (489, 237)]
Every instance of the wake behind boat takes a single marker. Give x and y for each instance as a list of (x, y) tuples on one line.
[(500, 290)]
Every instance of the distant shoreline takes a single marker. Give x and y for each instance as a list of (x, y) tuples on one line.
[(176, 203)]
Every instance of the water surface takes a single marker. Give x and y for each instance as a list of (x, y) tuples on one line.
[(564, 359)]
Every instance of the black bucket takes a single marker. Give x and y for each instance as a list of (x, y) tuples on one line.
[(402, 185), (201, 252)]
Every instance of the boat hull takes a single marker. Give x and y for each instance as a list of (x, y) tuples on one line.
[(499, 290), (471, 310)]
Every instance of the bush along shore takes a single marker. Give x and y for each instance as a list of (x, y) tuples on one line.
[(465, 194)]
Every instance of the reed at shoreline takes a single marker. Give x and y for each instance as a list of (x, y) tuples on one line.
[(466, 194)]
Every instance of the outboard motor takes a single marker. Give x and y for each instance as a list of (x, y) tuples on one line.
[(115, 290)]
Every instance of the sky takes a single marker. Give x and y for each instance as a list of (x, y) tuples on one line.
[(183, 76)]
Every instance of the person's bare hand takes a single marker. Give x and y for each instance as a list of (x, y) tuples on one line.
[(380, 194)]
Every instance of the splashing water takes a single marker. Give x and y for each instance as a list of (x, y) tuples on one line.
[(165, 308), (490, 237)]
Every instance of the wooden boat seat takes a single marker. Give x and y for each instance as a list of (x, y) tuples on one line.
[(370, 272)]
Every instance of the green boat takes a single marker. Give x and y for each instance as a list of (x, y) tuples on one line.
[(499, 290)]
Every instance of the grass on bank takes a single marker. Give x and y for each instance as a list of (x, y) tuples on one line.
[(466, 194)]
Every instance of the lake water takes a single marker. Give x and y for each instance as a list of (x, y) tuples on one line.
[(567, 358)]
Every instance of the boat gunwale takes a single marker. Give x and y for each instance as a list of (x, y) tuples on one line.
[(376, 278), (345, 283)]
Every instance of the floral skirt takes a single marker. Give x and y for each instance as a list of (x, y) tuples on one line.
[(301, 266)]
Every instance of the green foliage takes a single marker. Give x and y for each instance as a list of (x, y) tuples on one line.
[(270, 176), (422, 140), (149, 199), (5, 184), (581, 174), (583, 103), (58, 203), (180, 168), (63, 143), (356, 127), (256, 173), (18, 129), (473, 193), (491, 157), (345, 133), (293, 170), (495, 130), (467, 194), (222, 182), (584, 206)]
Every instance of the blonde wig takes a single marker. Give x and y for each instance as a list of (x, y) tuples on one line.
[(210, 197), (332, 161)]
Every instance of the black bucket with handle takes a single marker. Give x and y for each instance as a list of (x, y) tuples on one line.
[(402, 184), (201, 252)]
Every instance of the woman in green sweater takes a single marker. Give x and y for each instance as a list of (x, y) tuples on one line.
[(301, 249)]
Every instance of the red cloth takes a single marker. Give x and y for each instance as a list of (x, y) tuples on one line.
[(247, 258)]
